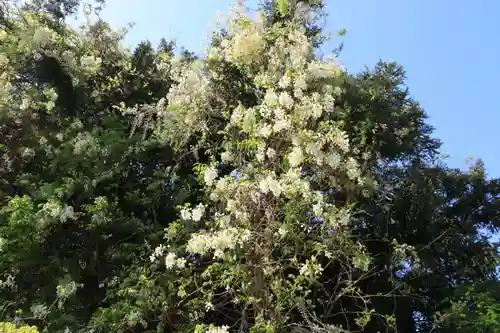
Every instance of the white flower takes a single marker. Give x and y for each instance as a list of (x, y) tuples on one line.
[(304, 270), (248, 120), (210, 175), (296, 157), (4, 61), (77, 124), (298, 94), (313, 148), (300, 83), (270, 184), (67, 213), (285, 82), (227, 156), (53, 208), (170, 260), (286, 100), (28, 153), (25, 104), (321, 70), (68, 57), (318, 269), (271, 153), (84, 141), (271, 98), (352, 167), (316, 110), (261, 152), (180, 262), (90, 62), (198, 244), (197, 213), (237, 115), (231, 205), (3, 35), (275, 187), (222, 329), (209, 306), (333, 159), (186, 214), (246, 46), (43, 35), (318, 209), (265, 131), (157, 253), (282, 124), (279, 113), (264, 186), (39, 311), (282, 231), (341, 140)]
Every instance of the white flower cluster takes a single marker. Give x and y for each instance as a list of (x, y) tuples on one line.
[(245, 46), (190, 97), (53, 209), (194, 214), (90, 62), (221, 329), (311, 268), (9, 283), (67, 214), (219, 242), (287, 145), (172, 261), (43, 35), (27, 153), (39, 311), (320, 70), (4, 60), (270, 184), (85, 142), (135, 317), (210, 175), (66, 290), (225, 187), (158, 252)]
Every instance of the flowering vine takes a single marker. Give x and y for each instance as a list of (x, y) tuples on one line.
[(255, 231)]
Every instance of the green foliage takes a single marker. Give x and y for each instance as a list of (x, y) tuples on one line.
[(474, 308), (11, 328)]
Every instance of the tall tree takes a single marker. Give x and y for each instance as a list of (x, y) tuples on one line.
[(82, 184)]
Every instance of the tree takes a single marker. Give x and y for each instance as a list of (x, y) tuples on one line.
[(262, 252), (82, 187)]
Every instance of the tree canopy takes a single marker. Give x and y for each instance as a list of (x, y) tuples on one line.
[(259, 188)]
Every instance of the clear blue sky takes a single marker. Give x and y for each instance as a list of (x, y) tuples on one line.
[(450, 49)]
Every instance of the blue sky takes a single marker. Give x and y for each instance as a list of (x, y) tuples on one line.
[(450, 50)]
